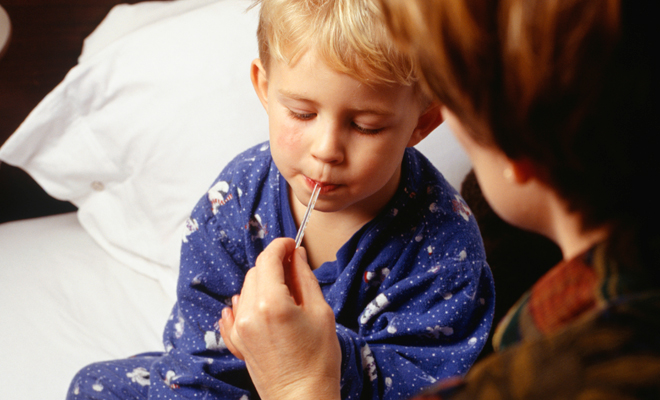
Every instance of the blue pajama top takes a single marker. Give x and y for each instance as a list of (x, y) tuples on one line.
[(412, 293)]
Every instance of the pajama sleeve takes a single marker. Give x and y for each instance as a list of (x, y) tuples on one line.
[(212, 270), (214, 260), (421, 329), (223, 237)]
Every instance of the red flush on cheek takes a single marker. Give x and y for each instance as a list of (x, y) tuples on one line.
[(289, 137)]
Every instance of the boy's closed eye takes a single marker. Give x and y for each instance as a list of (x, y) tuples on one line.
[(361, 129), (301, 116), (366, 131)]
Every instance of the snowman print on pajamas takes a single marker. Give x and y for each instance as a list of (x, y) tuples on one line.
[(219, 195)]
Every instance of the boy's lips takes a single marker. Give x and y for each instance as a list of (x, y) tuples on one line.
[(325, 186)]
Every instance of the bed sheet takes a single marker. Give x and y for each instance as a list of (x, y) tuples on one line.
[(64, 303)]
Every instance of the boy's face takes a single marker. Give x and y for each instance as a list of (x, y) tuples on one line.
[(329, 128)]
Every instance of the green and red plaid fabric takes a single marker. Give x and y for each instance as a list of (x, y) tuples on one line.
[(588, 329)]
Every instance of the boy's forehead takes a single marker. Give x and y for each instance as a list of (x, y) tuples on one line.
[(315, 59), (318, 84), (295, 79)]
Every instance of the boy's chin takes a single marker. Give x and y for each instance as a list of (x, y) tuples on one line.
[(321, 205)]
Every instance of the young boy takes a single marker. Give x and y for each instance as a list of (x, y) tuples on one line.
[(393, 246)]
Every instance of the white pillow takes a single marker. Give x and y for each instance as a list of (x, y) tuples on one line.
[(160, 101), (141, 126)]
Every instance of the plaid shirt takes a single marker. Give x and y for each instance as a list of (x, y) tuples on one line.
[(587, 329)]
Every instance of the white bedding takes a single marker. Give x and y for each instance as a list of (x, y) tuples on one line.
[(65, 303), (159, 102)]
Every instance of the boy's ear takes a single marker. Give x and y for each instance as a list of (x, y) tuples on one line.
[(430, 119), (259, 81)]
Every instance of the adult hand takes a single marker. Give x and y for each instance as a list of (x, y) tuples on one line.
[(284, 329)]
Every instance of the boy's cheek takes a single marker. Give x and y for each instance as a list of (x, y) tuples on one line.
[(286, 136)]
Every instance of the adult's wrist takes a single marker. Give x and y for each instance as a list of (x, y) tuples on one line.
[(312, 388), (314, 392)]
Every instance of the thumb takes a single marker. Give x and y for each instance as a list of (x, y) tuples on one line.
[(307, 286), (302, 252)]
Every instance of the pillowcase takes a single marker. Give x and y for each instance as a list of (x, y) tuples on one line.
[(160, 101)]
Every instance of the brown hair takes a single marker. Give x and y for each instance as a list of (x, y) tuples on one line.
[(570, 85)]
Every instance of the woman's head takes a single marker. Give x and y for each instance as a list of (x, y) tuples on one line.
[(568, 85)]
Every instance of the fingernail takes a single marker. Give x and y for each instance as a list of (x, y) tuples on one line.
[(303, 253)]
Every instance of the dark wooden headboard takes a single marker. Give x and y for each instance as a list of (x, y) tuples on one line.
[(46, 40)]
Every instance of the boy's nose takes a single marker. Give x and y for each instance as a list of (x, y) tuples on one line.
[(328, 147)]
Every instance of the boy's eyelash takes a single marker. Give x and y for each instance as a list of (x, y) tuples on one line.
[(308, 116), (303, 117), (365, 130)]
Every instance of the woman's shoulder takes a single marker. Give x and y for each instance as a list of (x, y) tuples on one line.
[(594, 356)]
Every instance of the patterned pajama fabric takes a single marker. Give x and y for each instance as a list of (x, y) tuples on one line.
[(411, 291)]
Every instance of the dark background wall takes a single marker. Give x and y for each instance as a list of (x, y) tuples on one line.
[(47, 37)]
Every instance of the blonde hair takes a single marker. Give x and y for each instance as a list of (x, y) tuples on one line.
[(348, 35)]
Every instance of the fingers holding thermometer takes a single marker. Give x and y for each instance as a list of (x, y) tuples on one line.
[(265, 286), (281, 314), (289, 278)]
